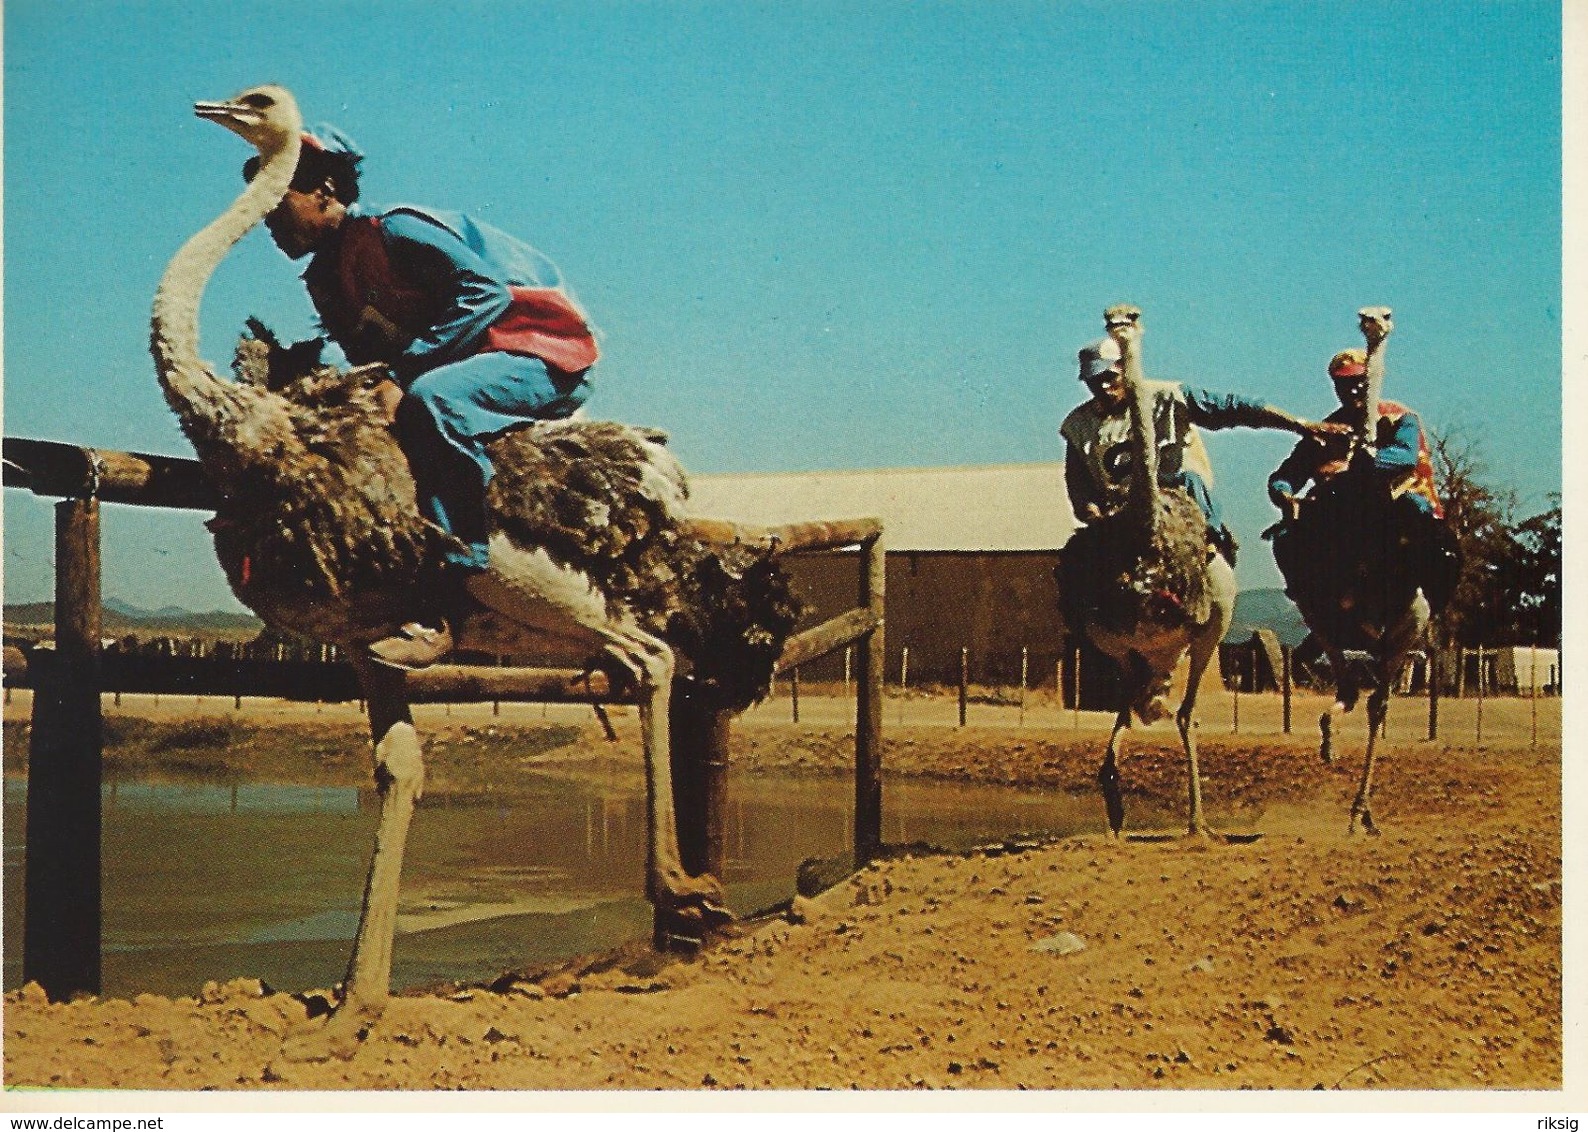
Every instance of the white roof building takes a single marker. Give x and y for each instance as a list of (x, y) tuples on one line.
[(990, 508)]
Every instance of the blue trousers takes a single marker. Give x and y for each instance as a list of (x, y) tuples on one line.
[(449, 414)]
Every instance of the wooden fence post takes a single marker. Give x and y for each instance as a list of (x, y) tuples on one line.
[(698, 736), (1284, 686), (1433, 692), (964, 682), (794, 694), (868, 706), (62, 911)]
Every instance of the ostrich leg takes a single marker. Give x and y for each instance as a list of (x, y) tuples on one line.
[(1108, 773), (683, 900), (399, 780), (1361, 808), (527, 587), (1221, 581)]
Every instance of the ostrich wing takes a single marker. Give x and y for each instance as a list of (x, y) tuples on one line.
[(606, 499)]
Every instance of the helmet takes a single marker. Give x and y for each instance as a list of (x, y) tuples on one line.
[(1348, 363)]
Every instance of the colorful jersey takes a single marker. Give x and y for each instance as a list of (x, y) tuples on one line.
[(1097, 440), (1402, 455), (417, 288)]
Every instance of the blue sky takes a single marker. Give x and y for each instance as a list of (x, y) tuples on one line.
[(827, 234)]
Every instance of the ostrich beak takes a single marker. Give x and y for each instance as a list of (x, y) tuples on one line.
[(228, 114)]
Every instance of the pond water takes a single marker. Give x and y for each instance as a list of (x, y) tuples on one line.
[(205, 881)]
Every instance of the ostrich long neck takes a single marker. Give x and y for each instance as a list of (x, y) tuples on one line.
[(1375, 388), (190, 387), (1144, 500)]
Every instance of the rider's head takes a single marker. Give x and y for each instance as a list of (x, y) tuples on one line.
[(325, 183), (1348, 368), (1101, 371)]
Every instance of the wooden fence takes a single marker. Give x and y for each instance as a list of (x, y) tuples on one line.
[(63, 909)]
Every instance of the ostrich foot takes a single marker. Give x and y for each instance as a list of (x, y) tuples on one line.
[(1326, 729), (1153, 707), (691, 902), (336, 1035), (1113, 800), (1363, 816)]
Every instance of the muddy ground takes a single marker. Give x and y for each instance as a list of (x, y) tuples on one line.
[(1425, 958)]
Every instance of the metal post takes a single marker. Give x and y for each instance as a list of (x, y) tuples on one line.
[(63, 910), (964, 682), (1025, 664), (1235, 707), (904, 681), (1076, 719), (1479, 736), (849, 653), (1532, 676), (868, 706), (1284, 685)]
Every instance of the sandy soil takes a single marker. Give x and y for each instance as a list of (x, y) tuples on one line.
[(1426, 958)]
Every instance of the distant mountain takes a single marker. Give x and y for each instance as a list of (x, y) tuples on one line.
[(1267, 609), (121, 617)]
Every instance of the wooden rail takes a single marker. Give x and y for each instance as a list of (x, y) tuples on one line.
[(62, 920)]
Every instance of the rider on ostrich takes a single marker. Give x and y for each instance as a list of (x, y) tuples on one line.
[(476, 330), (1399, 462), (1096, 435)]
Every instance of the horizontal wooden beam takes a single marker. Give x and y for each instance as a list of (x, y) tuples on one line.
[(468, 683), (70, 471), (787, 538), (827, 637)]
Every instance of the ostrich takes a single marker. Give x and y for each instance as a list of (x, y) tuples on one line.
[(1153, 589), (319, 533), (1356, 576)]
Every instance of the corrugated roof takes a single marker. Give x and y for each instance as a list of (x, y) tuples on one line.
[(1002, 507)]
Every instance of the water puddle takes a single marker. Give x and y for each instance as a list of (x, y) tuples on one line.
[(215, 881)]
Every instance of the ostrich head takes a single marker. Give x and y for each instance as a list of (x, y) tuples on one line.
[(266, 117), (1376, 322), (1123, 323)]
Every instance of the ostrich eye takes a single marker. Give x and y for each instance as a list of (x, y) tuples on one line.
[(257, 101)]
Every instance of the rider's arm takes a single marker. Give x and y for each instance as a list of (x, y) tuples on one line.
[(469, 293), (1398, 444), (1288, 480), (1230, 410), (1085, 500)]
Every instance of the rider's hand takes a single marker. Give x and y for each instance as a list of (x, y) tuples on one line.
[(1289, 506), (387, 394)]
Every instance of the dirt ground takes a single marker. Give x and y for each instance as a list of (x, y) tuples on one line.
[(1427, 958)]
